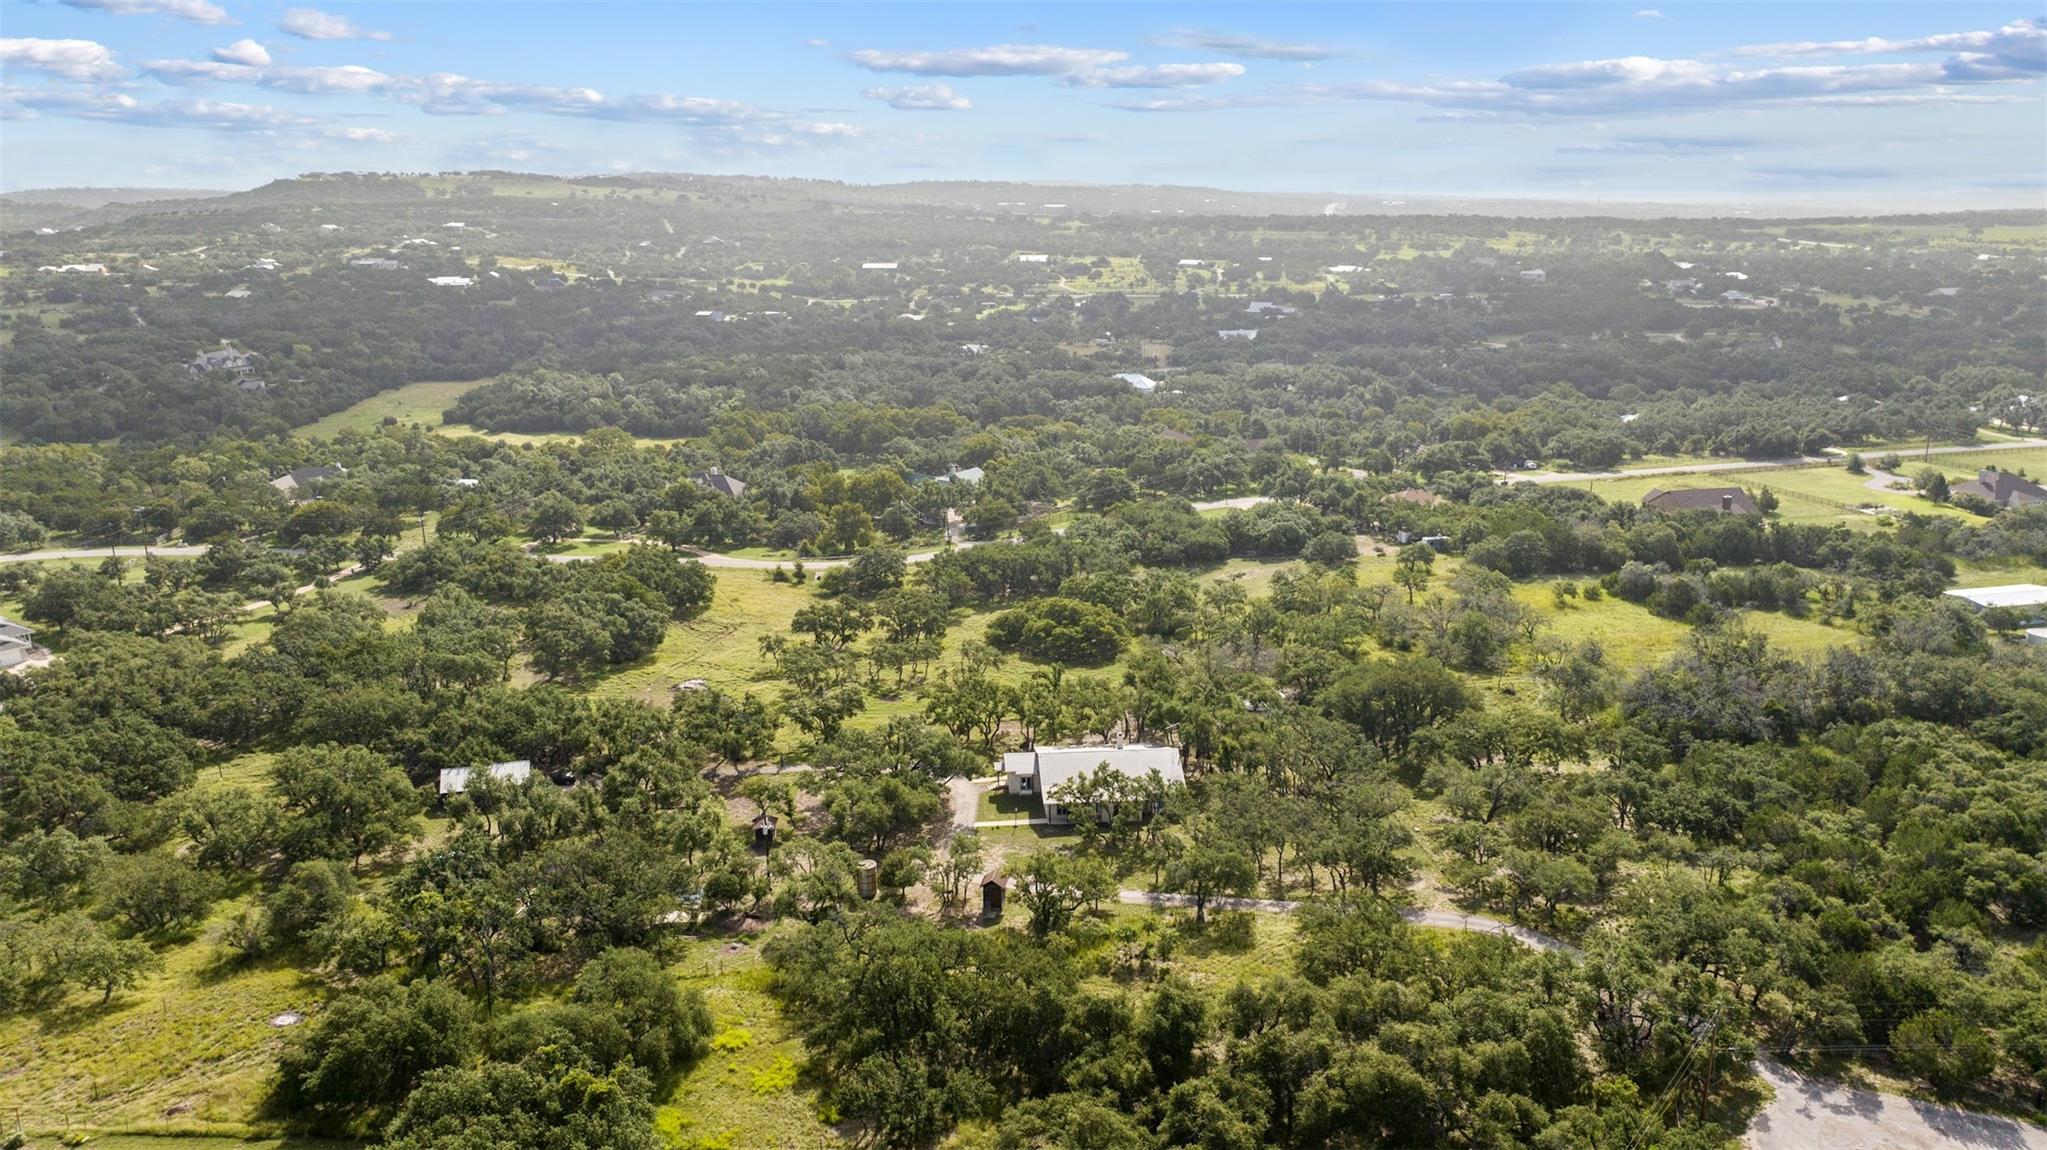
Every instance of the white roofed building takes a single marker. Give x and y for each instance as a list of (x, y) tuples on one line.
[(1042, 772), (455, 780), (2029, 599)]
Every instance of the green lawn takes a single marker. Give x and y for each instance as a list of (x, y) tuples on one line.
[(420, 403)]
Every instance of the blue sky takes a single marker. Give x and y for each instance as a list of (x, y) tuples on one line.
[(1861, 105)]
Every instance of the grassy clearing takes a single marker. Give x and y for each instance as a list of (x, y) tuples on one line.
[(420, 403), (191, 1049), (1635, 637), (721, 647), (746, 1092)]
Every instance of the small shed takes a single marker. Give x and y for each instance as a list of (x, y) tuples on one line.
[(764, 832), (867, 874), (994, 889)]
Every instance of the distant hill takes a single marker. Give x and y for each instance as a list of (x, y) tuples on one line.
[(76, 207), (34, 208), (87, 198)]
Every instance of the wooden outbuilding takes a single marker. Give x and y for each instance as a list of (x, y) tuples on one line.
[(994, 890)]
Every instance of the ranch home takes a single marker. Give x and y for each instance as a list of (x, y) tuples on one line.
[(1043, 771)]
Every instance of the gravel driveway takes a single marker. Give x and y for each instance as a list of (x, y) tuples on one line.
[(1814, 1114)]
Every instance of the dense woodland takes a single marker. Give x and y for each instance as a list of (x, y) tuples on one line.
[(1831, 851)]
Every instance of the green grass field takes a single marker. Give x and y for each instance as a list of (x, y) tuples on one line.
[(191, 1049), (722, 646), (746, 1092), (420, 403)]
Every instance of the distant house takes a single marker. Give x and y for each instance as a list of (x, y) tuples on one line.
[(223, 358), (966, 475), (455, 780), (1725, 500), (451, 281), (878, 266), (1260, 307), (238, 293), (297, 480), (1033, 257), (1043, 771), (381, 263), (719, 482), (252, 383), (1419, 496), (1534, 276), (1192, 263), (1343, 269), (2002, 488), (89, 269), (714, 316), (17, 643), (1138, 381), (974, 349), (1243, 333)]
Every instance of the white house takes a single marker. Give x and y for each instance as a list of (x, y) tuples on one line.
[(1244, 333), (1033, 257), (17, 643), (455, 780), (1043, 771), (878, 266), (1138, 381), (1534, 276)]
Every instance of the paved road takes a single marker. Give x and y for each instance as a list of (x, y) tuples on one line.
[(1641, 472), (1812, 1113), (707, 558), (182, 551), (1834, 453)]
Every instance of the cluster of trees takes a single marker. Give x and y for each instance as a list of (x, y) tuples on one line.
[(1378, 1038)]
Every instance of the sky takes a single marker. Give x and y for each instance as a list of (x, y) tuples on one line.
[(1898, 106)]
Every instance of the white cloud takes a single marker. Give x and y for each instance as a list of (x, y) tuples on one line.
[(999, 60), (197, 11), (82, 60), (361, 135), (921, 98), (1156, 75), (313, 24), (121, 108), (1246, 47), (243, 51), (2021, 39), (1650, 14), (818, 42), (713, 121), (1642, 85)]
